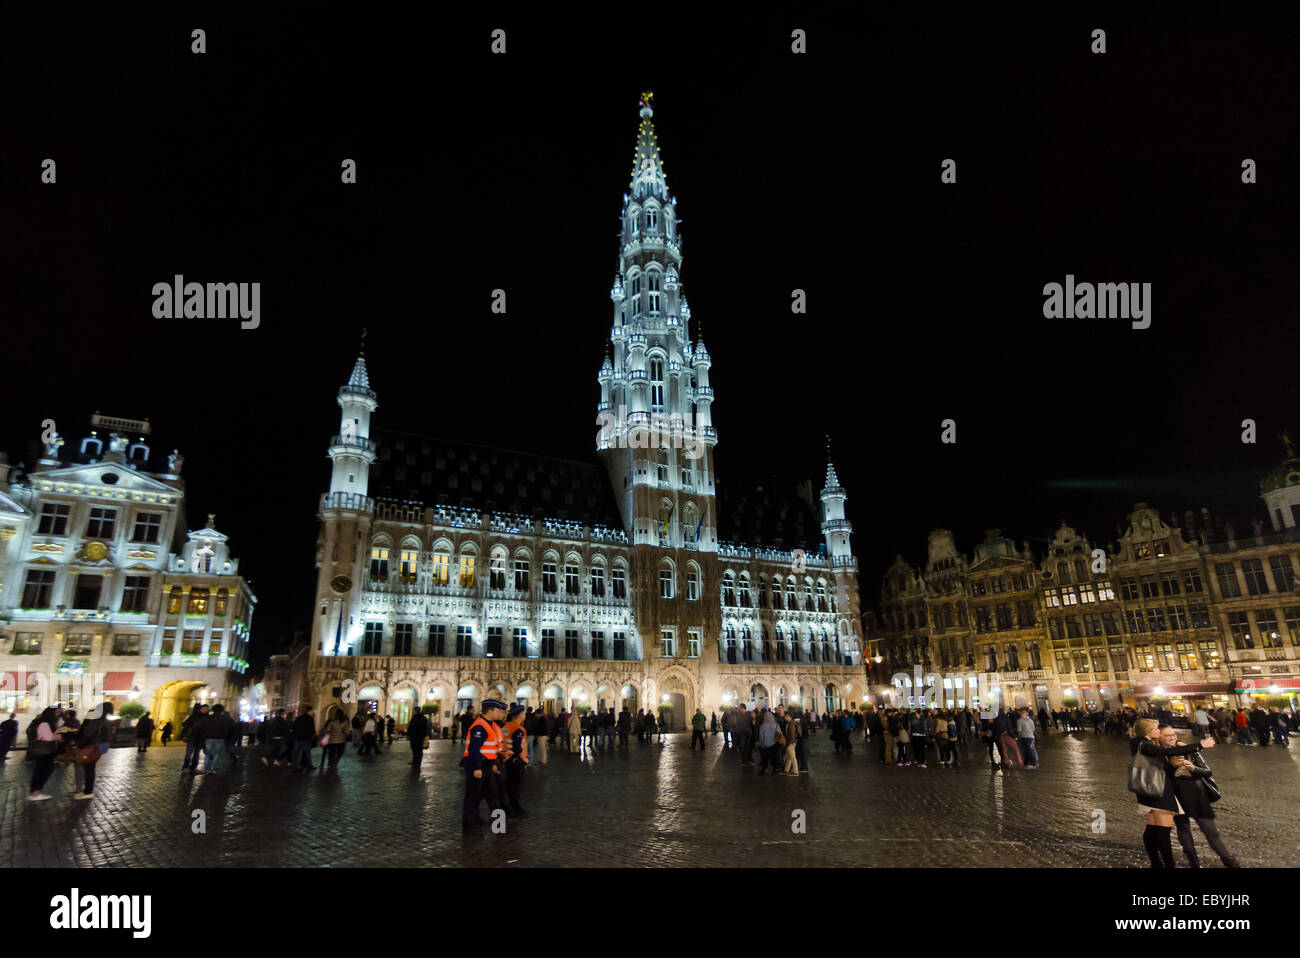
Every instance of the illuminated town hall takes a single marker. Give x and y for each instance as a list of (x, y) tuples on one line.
[(452, 572)]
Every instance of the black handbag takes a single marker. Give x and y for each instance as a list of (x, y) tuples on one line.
[(1147, 776), (42, 747)]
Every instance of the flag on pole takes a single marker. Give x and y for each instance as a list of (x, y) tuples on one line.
[(664, 530), (698, 527)]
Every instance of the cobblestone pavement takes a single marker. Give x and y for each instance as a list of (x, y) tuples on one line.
[(648, 806)]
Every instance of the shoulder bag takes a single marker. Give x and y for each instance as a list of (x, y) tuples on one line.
[(1146, 776)]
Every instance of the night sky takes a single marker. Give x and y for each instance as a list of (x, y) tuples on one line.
[(818, 172)]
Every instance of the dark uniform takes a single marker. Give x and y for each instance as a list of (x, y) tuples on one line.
[(483, 747), (516, 762)]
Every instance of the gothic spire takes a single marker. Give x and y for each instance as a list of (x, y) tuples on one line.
[(647, 169)]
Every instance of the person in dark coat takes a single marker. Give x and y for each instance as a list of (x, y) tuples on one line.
[(167, 733), (304, 740), (8, 736), (1160, 809), (144, 732), (95, 731), (1259, 722), (417, 730), (1196, 790), (390, 724)]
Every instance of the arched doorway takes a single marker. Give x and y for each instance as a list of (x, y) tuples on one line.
[(171, 703), (403, 705), (604, 697), (435, 702), (832, 697), (730, 697), (525, 695), (758, 696), (370, 700), (676, 712), (553, 699), (466, 696), (630, 698)]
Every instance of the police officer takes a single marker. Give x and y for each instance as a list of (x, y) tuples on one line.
[(517, 762), (484, 745)]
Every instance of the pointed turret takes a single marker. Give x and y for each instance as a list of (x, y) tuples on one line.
[(835, 527), (352, 450), (647, 168), (1280, 490)]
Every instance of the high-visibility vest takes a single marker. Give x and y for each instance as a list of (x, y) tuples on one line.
[(511, 728), (491, 746)]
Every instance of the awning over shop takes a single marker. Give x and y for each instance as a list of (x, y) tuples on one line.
[(119, 681), (1263, 684), (17, 681)]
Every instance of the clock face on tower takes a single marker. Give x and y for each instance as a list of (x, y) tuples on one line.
[(341, 583)]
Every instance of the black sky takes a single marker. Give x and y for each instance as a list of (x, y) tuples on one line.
[(820, 172)]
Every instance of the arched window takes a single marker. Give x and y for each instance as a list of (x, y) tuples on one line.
[(747, 643), (744, 590), (729, 642), (656, 380), (441, 566), (379, 560), (796, 651), (651, 219), (468, 563), (1080, 570), (821, 595), (655, 285), (667, 581), (410, 558), (789, 593), (1062, 572), (497, 568), (728, 589), (762, 592), (807, 595)]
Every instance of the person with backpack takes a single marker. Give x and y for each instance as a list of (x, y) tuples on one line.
[(904, 738), (43, 746)]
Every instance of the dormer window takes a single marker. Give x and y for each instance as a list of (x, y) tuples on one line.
[(651, 220), (656, 297)]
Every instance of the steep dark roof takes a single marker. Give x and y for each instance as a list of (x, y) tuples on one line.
[(773, 514), (413, 468)]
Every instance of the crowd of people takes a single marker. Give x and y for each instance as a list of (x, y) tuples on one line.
[(1173, 782)]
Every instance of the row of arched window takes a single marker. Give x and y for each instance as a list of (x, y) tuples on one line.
[(785, 593)]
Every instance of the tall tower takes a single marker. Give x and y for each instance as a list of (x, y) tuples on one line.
[(656, 432), (656, 435), (346, 516), (835, 527)]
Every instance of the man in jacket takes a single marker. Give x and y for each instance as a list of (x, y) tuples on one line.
[(277, 730), (417, 730), (1259, 722), (213, 729), (304, 740), (466, 719), (699, 724), (1025, 733), (790, 730), (193, 745), (741, 730), (624, 727)]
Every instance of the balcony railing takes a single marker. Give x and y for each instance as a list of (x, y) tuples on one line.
[(347, 500)]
